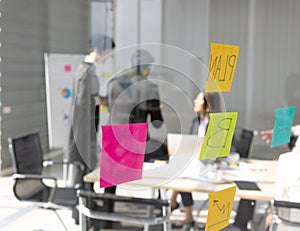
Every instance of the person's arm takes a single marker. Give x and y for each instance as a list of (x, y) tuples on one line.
[(266, 135), (81, 84), (154, 106), (155, 113)]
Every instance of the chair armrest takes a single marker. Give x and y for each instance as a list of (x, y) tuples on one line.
[(286, 204), (103, 196), (18, 176), (34, 177), (47, 163)]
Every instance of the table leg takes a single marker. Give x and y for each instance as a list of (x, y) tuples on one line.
[(82, 218), (150, 210), (166, 210)]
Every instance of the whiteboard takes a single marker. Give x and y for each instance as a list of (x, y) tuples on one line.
[(59, 73)]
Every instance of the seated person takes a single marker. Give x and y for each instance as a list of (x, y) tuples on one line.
[(294, 145), (202, 106)]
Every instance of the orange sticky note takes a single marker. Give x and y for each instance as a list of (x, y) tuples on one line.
[(219, 209), (222, 65)]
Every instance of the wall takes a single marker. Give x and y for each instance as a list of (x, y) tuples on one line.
[(277, 49), (185, 30), (185, 25), (69, 26), (30, 28), (137, 21), (268, 32), (24, 38), (228, 24)]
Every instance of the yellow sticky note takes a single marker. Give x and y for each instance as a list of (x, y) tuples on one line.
[(218, 138), (222, 64), (103, 108), (108, 74), (219, 209)]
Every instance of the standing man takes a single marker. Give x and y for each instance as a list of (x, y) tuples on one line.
[(131, 98), (82, 139), (82, 143)]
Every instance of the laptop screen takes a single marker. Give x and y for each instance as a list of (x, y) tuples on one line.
[(183, 143)]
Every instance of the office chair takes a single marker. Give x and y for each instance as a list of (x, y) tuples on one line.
[(242, 144), (286, 204), (123, 215), (31, 185)]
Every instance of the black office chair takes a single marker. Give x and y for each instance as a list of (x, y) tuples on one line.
[(122, 214), (30, 183), (242, 141), (242, 144)]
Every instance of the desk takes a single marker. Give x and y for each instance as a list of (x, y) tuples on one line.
[(164, 177), (161, 180)]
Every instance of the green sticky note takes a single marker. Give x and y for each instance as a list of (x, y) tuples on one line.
[(218, 138)]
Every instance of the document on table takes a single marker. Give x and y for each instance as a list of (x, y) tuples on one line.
[(245, 172)]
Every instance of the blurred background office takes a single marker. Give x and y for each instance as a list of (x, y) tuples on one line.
[(267, 32)]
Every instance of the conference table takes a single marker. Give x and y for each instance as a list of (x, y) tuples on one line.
[(159, 176), (179, 174)]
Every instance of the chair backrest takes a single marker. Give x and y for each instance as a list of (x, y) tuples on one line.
[(242, 142), (287, 184), (27, 154)]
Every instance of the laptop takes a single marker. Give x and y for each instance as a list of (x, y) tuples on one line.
[(183, 143)]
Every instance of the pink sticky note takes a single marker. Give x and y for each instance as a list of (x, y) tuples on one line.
[(68, 68), (123, 150)]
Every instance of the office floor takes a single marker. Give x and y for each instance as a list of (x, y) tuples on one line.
[(16, 215)]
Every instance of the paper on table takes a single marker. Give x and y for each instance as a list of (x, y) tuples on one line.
[(245, 172)]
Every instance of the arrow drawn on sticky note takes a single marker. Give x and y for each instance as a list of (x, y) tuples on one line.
[(220, 206), (223, 208)]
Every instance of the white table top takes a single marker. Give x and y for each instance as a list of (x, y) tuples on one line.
[(167, 176)]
